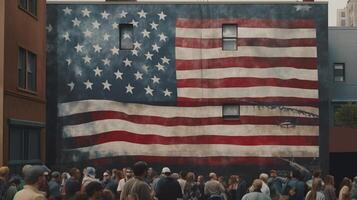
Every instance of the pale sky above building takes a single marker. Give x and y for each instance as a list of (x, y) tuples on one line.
[(333, 5)]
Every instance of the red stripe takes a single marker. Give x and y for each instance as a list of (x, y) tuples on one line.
[(287, 101), (254, 23), (247, 62), (267, 42), (245, 82), (113, 136), (184, 121)]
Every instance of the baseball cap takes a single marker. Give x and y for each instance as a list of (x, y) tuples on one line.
[(91, 172), (35, 171), (165, 170)]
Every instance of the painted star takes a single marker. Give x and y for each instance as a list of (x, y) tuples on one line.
[(88, 85), (142, 14), (96, 24), (167, 93), (155, 79), (165, 60), (127, 62), (87, 59), (138, 75), (148, 56), (106, 36), (86, 12), (118, 75), (76, 22), (123, 14), (145, 68), (137, 45), (126, 35), (145, 33), (160, 67), (66, 36), (115, 25), (78, 72), (134, 52), (134, 23), (49, 28), (67, 11), (105, 15), (79, 48), (97, 48), (162, 15), (97, 72), (154, 25), (155, 47), (106, 85), (71, 85), (106, 61), (149, 91), (163, 37), (114, 50), (303, 8), (69, 61), (87, 33), (129, 89)]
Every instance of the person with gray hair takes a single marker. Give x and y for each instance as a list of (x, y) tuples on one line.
[(264, 178), (354, 189), (256, 193), (213, 188), (34, 179)]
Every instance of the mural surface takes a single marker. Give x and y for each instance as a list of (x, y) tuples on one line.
[(162, 100)]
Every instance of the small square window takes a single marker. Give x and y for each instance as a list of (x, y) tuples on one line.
[(229, 37), (231, 111), (126, 36), (29, 5), (339, 72)]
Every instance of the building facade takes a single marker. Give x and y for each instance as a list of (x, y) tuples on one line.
[(343, 87), (342, 19), (348, 15), (22, 76)]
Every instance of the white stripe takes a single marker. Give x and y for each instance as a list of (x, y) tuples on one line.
[(108, 125), (284, 73), (112, 149), (245, 51), (247, 92), (244, 32), (77, 107)]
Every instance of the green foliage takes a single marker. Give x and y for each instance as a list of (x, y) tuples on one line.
[(346, 115)]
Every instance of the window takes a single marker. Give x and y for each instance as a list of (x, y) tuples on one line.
[(231, 111), (126, 36), (24, 143), (229, 39), (339, 72), (343, 14), (29, 5), (27, 70), (343, 22)]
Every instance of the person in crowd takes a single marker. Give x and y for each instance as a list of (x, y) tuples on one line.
[(256, 194), (150, 177), (315, 174), (88, 178), (108, 182), (182, 180), (80, 196), (295, 188), (54, 186), (213, 188), (64, 178), (14, 183), (265, 189), (4, 173), (137, 185), (191, 190), (94, 190), (329, 189), (354, 189), (242, 187), (73, 184), (168, 188), (232, 187), (222, 180), (114, 172), (316, 190), (108, 195), (201, 186), (34, 179), (128, 175), (345, 189), (275, 184)]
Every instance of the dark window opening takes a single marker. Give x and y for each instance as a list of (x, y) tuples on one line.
[(229, 37), (29, 5), (27, 69), (231, 111), (339, 72), (24, 144)]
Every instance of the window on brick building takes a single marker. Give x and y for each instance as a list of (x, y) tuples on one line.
[(27, 69)]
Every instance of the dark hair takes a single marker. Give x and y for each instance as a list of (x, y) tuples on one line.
[(183, 174), (93, 187), (297, 174), (80, 196), (140, 168), (345, 182), (316, 186), (73, 171), (108, 195), (329, 180), (316, 173)]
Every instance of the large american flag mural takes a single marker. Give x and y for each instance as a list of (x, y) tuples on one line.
[(163, 100)]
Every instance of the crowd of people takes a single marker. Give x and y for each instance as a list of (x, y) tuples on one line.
[(140, 182)]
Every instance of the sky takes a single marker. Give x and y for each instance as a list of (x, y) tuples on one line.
[(333, 5)]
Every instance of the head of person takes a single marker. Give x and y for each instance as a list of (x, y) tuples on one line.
[(183, 174), (94, 190), (129, 173), (296, 174), (190, 177), (75, 173), (346, 182), (232, 180), (150, 172), (212, 176), (119, 175), (35, 176), (140, 168), (329, 180), (108, 195), (114, 172), (316, 173), (273, 173), (4, 172), (257, 185), (106, 176), (15, 180), (316, 186), (221, 179), (56, 176), (90, 172), (166, 171), (264, 177), (201, 179)]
